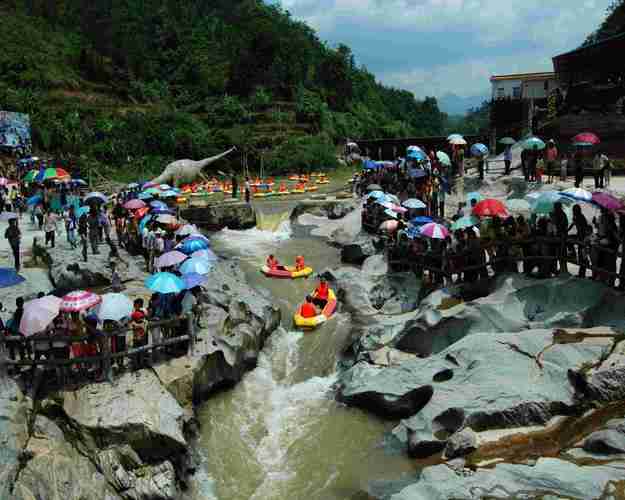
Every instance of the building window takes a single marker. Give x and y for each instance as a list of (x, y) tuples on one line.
[(500, 93), (516, 92)]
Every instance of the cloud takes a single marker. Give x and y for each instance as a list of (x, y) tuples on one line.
[(440, 46)]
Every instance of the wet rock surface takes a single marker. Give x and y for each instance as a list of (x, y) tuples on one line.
[(219, 216)]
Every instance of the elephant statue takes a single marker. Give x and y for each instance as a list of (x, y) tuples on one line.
[(183, 172)]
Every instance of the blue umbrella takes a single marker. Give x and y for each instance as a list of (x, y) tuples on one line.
[(169, 194), (474, 196), (413, 232), (413, 203), (81, 211), (192, 244), (192, 280), (417, 173), (143, 222), (165, 283), (145, 196), (8, 277), (370, 165), (162, 211), (33, 200), (479, 149), (158, 204), (417, 155), (206, 254), (376, 195), (196, 265), (422, 220)]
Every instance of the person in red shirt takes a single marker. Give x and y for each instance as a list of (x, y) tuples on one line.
[(272, 263), (308, 309), (299, 263), (320, 296)]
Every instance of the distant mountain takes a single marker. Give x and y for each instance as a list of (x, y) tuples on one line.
[(453, 104)]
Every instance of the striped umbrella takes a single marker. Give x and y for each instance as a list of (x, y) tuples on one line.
[(80, 300), (434, 231)]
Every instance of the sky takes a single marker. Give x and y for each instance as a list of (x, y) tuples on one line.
[(438, 47)]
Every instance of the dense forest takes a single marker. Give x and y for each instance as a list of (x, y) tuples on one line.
[(113, 81), (613, 24)]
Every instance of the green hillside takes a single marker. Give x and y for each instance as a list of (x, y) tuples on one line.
[(108, 82)]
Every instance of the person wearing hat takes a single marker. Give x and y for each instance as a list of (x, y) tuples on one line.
[(551, 160)]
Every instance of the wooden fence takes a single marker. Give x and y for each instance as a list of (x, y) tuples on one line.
[(31, 356)]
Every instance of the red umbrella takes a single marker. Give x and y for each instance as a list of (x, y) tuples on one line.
[(134, 204), (490, 208), (587, 137), (79, 301)]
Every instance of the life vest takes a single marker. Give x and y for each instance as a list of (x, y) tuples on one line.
[(322, 291), (308, 310), (272, 263), (299, 263)]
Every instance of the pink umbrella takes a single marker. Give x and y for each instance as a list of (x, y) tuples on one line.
[(4, 181), (390, 226), (607, 201), (170, 259), (38, 314), (587, 137), (434, 231), (79, 301), (398, 209), (134, 204)]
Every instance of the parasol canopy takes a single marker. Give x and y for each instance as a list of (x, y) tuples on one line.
[(192, 244), (465, 222), (434, 231), (79, 300), (479, 149), (578, 194), (165, 283), (607, 201), (206, 254), (191, 280), (414, 203), (508, 141), (196, 265), (533, 143), (96, 196), (38, 314), (490, 207), (134, 204), (170, 259), (114, 307), (443, 158), (586, 138)]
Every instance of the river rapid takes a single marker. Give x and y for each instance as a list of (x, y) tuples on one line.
[(280, 434)]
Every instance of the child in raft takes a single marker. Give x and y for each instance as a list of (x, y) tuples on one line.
[(308, 309), (300, 265), (273, 264)]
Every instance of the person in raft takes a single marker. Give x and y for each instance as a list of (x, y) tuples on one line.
[(320, 295), (308, 309), (299, 263), (273, 264)]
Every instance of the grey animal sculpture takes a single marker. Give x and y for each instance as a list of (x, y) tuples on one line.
[(183, 172)]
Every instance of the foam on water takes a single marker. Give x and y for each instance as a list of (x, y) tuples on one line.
[(253, 240)]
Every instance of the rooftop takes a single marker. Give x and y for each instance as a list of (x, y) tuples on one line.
[(523, 76)]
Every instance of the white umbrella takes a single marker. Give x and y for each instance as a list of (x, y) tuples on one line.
[(458, 141), (38, 314), (187, 230), (166, 219), (114, 307)]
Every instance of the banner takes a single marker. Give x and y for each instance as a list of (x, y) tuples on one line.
[(14, 130)]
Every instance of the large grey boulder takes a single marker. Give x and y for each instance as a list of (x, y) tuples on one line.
[(13, 433), (461, 443), (219, 216), (55, 469), (68, 271), (484, 381), (549, 476), (608, 441), (333, 209)]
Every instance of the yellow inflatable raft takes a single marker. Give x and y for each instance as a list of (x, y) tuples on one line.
[(325, 315), (288, 272)]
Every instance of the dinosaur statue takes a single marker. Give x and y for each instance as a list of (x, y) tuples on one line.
[(187, 171)]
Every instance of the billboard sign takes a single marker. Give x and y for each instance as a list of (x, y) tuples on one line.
[(14, 130)]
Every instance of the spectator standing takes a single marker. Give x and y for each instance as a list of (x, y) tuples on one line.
[(49, 227), (507, 158), (551, 158), (14, 236)]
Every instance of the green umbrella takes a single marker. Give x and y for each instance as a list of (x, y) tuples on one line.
[(544, 203), (533, 143), (443, 158), (518, 205), (465, 222), (507, 140)]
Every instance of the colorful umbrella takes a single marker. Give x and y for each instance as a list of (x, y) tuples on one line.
[(30, 176), (158, 204), (443, 158), (398, 209), (207, 254), (421, 220), (5, 216), (33, 200), (586, 138), (96, 196), (153, 191), (490, 208), (187, 230), (38, 314), (164, 187), (578, 194), (79, 300), (166, 219), (434, 231), (170, 194), (518, 205), (458, 141), (9, 277), (134, 204), (191, 280), (508, 141), (141, 212), (413, 148), (417, 156), (145, 196), (169, 259), (165, 283), (195, 265), (545, 202), (48, 174), (414, 203), (533, 143), (465, 222), (192, 244), (114, 307), (479, 149), (474, 196), (82, 211), (607, 201), (143, 222), (389, 226), (454, 136)]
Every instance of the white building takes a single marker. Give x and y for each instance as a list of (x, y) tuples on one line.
[(523, 85)]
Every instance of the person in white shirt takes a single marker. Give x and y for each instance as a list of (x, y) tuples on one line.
[(599, 163)]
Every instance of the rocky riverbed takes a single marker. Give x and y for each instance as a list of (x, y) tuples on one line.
[(134, 438)]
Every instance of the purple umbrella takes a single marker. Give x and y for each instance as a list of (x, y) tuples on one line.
[(607, 201), (170, 259), (192, 280)]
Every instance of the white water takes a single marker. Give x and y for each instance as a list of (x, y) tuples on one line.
[(250, 241)]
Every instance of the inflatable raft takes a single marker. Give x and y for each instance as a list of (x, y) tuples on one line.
[(288, 272), (325, 315)]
